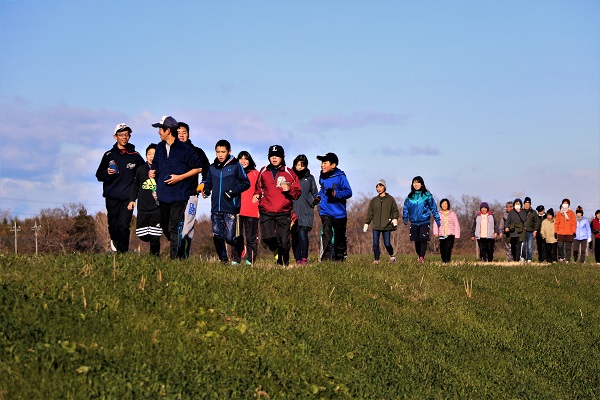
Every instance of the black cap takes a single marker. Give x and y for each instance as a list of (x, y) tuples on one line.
[(276, 150), (166, 122), (527, 200), (331, 157)]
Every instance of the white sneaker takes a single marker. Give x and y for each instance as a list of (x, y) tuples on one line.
[(112, 247)]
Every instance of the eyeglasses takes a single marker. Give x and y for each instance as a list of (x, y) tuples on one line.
[(122, 134)]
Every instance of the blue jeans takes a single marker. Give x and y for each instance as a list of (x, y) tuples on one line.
[(300, 242), (386, 243), (527, 249)]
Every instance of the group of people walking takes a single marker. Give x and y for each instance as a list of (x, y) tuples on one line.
[(281, 201)]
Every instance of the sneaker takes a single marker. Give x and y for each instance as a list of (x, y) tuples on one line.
[(376, 262), (392, 259), (276, 253), (112, 247), (421, 259), (248, 262), (561, 260), (304, 261), (298, 262), (235, 263), (528, 261)]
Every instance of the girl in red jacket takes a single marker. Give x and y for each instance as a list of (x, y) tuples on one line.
[(249, 210)]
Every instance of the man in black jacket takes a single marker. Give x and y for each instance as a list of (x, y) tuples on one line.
[(117, 173)]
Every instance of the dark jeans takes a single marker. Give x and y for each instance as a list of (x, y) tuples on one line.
[(340, 244), (486, 249), (386, 242), (597, 249), (564, 250), (300, 241), (119, 223), (249, 227), (275, 232), (225, 229), (579, 250), (421, 247), (171, 221), (446, 246)]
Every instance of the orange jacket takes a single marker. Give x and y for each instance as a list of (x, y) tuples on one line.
[(564, 227)]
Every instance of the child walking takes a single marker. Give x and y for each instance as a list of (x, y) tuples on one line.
[(304, 209), (419, 206), (148, 217), (226, 180), (383, 213), (583, 235), (485, 231), (549, 236), (276, 188), (448, 230), (249, 210)]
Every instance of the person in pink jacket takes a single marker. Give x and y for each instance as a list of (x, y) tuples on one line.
[(249, 210), (448, 231)]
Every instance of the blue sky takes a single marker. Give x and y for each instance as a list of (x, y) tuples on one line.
[(488, 99)]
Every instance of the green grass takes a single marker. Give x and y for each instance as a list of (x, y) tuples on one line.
[(74, 327)]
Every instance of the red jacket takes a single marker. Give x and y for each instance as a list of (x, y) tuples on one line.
[(272, 198), (596, 227), (250, 209)]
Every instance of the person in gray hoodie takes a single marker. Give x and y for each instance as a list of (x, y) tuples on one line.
[(303, 209), (514, 226)]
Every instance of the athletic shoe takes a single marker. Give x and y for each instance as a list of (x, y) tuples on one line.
[(421, 259), (248, 262), (298, 262), (392, 259), (112, 247), (304, 261), (276, 253), (376, 262), (235, 263)]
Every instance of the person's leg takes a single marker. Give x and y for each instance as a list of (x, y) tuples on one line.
[(187, 232), (267, 231), (251, 239), (597, 250), (481, 246), (560, 245), (388, 244), (175, 225), (529, 246), (424, 237), (232, 236), (282, 231), (450, 246), (491, 248), (218, 230), (326, 236), (340, 242), (576, 245), (508, 249), (568, 246), (376, 251), (541, 247), (583, 253), (152, 222), (444, 249), (303, 242), (112, 207), (165, 215)]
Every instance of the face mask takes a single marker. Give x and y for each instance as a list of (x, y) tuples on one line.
[(518, 208), (565, 206)]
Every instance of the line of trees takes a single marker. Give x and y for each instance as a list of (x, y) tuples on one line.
[(70, 229)]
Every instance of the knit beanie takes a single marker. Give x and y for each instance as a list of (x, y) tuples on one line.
[(382, 182), (484, 205)]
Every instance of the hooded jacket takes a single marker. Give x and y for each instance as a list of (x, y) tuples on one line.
[(335, 206), (222, 177), (419, 209), (272, 198), (118, 186), (142, 189), (382, 210), (491, 226)]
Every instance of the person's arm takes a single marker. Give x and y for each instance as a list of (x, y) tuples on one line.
[(343, 191), (434, 211), (405, 211), (473, 228), (102, 173), (135, 190), (173, 178), (456, 225)]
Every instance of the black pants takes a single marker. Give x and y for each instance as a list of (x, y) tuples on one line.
[(541, 247), (597, 249), (340, 243), (119, 223), (486, 249), (551, 252), (249, 227), (171, 221), (275, 232), (446, 246), (515, 248)]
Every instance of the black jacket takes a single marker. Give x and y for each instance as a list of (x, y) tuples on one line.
[(118, 186)]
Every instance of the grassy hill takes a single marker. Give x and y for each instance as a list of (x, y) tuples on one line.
[(84, 326)]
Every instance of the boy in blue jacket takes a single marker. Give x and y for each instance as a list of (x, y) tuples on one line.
[(335, 190), (226, 180)]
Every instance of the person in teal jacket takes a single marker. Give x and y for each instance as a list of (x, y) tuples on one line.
[(419, 206)]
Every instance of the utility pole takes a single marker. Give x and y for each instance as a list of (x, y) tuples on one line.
[(16, 229), (36, 229)]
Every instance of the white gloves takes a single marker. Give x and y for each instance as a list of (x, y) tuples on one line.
[(395, 222), (365, 227), (589, 239)]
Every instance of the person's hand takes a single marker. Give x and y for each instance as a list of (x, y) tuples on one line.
[(285, 186), (172, 179), (111, 171), (205, 193), (395, 222), (330, 193), (365, 227), (589, 240), (131, 205), (556, 236), (229, 194), (316, 201), (152, 173), (472, 238), (495, 235), (255, 198), (534, 233)]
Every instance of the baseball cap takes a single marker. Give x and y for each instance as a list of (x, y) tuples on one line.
[(276, 150), (331, 157), (166, 122), (122, 127)]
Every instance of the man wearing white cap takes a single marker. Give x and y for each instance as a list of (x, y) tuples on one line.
[(117, 173)]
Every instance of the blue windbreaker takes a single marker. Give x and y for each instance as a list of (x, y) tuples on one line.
[(419, 208), (335, 207)]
